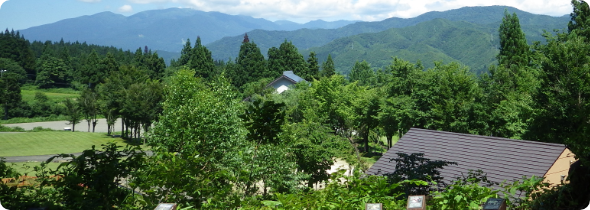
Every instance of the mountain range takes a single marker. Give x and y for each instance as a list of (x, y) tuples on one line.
[(469, 29), (165, 29), (467, 35)]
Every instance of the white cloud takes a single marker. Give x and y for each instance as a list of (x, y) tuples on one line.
[(2, 2), (90, 1), (368, 10), (126, 8)]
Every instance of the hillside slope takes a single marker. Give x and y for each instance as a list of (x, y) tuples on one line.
[(488, 17)]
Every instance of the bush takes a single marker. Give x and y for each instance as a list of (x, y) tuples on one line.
[(11, 129), (470, 191)]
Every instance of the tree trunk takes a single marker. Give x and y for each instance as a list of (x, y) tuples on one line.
[(389, 142), (366, 139), (94, 125), (73, 127), (122, 126)]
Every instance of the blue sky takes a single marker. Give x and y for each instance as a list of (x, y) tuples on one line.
[(22, 14)]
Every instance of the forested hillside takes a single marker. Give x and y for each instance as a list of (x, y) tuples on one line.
[(486, 18)]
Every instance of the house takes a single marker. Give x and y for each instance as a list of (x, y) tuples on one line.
[(501, 158), (284, 81)]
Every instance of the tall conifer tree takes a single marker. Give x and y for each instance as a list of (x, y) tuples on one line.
[(201, 61), (313, 67), (251, 63), (328, 67)]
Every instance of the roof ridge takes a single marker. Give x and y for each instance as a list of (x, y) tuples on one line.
[(489, 137)]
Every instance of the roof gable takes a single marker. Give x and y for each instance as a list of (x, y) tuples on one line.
[(501, 158), (289, 76)]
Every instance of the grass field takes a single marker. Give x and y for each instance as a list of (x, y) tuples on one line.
[(51, 142), (54, 94)]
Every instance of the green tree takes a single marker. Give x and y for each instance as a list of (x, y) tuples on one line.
[(313, 67), (448, 98), (109, 64), (580, 19), (275, 63), (154, 64), (10, 92), (73, 113), (509, 87), (88, 103), (561, 104), (90, 74), (52, 73), (201, 61), (185, 54), (514, 50), (251, 64), (11, 66), (201, 125), (362, 73), (328, 68), (17, 48), (293, 60)]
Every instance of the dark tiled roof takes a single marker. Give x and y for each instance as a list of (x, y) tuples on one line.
[(501, 158)]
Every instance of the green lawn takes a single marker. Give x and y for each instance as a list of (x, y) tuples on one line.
[(51, 142), (29, 167)]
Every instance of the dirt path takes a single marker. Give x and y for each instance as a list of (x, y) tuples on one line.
[(101, 126)]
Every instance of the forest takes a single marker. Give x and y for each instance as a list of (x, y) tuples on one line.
[(219, 138)]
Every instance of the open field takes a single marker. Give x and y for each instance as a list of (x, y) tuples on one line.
[(54, 94), (51, 142)]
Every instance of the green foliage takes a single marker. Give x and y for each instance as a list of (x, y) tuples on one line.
[(213, 124), (264, 121), (520, 193), (563, 95), (315, 148), (258, 88), (91, 180), (465, 193), (12, 67), (362, 73), (345, 192), (168, 179)]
